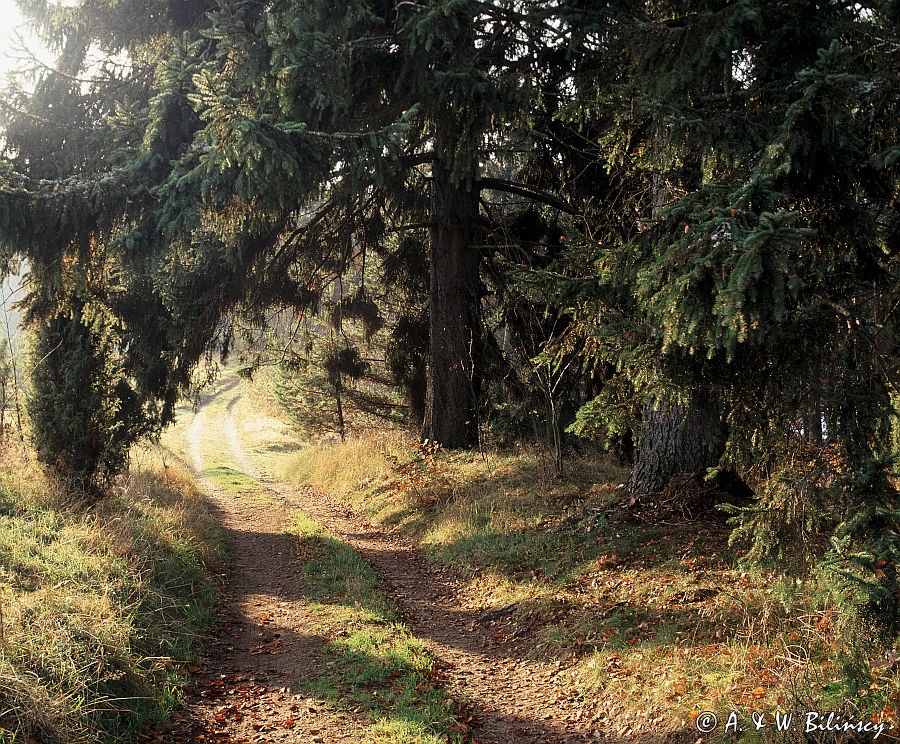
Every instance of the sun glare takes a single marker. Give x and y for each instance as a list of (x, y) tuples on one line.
[(18, 47), (10, 25)]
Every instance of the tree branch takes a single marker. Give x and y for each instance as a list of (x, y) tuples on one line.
[(519, 189)]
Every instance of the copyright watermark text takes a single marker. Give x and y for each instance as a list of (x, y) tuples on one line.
[(808, 723)]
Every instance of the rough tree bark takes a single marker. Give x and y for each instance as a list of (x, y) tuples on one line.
[(675, 440), (416, 395), (453, 384), (454, 319)]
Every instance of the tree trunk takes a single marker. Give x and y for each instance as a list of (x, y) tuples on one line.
[(416, 395), (673, 441), (813, 430), (453, 384), (454, 318)]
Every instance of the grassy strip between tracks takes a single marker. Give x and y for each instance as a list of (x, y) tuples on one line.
[(372, 663)]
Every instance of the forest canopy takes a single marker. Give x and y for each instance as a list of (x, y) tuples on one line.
[(670, 230)]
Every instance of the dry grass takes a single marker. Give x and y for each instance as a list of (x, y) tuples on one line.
[(648, 624), (99, 603)]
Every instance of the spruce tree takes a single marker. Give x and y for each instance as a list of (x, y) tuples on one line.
[(393, 110), (765, 285), (83, 414), (76, 183)]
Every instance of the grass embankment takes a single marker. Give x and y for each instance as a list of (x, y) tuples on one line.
[(101, 603), (375, 665), (649, 623)]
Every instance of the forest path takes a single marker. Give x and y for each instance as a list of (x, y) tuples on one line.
[(266, 637), (244, 690)]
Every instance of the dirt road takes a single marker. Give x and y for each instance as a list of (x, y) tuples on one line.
[(249, 688)]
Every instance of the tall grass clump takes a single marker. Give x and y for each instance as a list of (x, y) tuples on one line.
[(99, 604)]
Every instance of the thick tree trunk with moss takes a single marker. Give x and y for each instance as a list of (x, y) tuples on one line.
[(675, 440), (452, 385)]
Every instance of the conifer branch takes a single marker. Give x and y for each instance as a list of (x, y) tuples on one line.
[(529, 192)]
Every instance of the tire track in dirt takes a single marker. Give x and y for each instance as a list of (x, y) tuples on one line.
[(264, 633), (512, 700)]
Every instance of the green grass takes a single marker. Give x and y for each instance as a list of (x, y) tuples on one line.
[(373, 662), (230, 480), (99, 604)]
